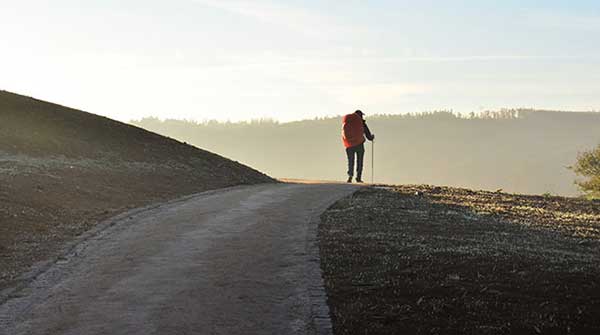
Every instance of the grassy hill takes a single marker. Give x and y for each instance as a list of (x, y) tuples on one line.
[(520, 151), (64, 170)]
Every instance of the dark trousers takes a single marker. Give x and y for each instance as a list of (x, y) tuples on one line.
[(359, 152)]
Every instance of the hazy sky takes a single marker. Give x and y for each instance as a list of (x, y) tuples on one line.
[(238, 59)]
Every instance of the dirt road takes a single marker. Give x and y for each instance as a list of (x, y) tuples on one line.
[(236, 261)]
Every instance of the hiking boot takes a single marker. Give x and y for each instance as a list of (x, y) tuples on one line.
[(349, 179)]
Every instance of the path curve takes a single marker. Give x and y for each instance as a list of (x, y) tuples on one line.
[(236, 261)]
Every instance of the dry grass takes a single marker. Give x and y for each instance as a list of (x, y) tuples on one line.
[(432, 260)]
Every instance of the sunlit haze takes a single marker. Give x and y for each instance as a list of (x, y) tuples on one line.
[(290, 60)]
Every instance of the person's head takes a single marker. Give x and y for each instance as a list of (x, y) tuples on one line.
[(359, 112)]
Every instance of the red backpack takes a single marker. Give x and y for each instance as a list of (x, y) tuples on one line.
[(353, 132)]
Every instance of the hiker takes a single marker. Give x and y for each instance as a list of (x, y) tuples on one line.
[(354, 130)]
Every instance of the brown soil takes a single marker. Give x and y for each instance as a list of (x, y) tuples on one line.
[(433, 260), (62, 171)]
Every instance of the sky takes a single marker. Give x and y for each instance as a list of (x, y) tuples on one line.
[(289, 60)]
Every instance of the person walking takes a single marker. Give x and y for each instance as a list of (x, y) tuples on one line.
[(354, 130)]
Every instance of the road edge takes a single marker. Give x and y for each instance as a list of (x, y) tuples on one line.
[(319, 310), (317, 294)]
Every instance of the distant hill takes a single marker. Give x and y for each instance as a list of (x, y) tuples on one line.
[(521, 151), (63, 170)]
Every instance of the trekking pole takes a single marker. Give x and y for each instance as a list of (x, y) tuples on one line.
[(373, 161)]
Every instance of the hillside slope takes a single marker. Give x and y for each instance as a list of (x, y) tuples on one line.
[(63, 170)]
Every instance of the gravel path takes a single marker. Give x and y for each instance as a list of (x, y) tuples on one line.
[(236, 261)]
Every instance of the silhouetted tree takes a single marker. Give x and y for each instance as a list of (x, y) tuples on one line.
[(588, 166)]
